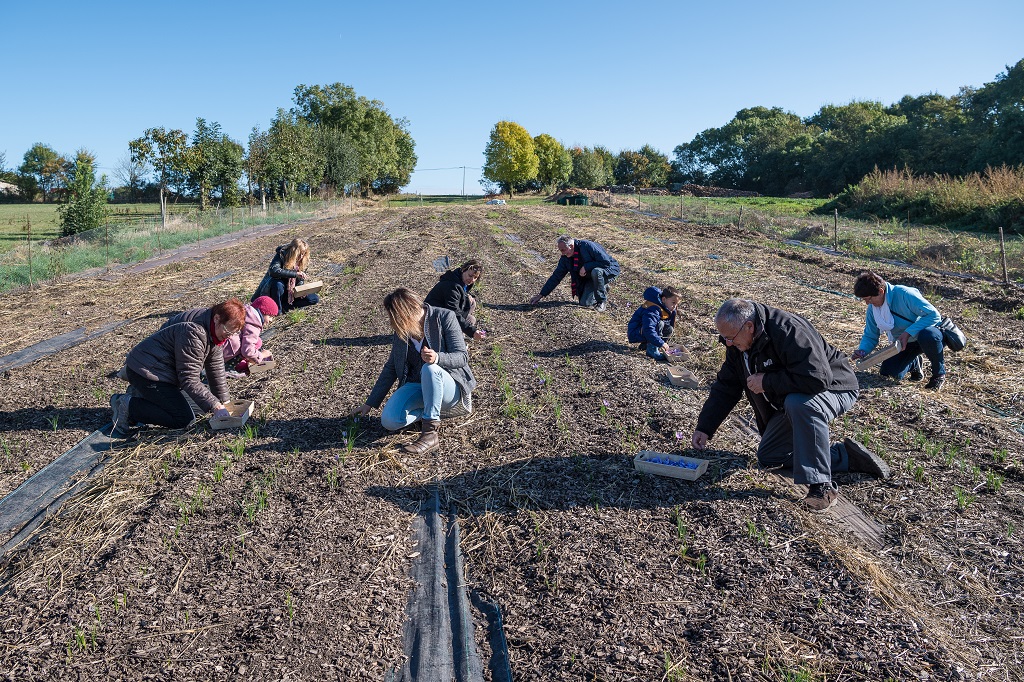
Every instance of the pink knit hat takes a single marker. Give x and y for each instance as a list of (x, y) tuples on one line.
[(265, 305)]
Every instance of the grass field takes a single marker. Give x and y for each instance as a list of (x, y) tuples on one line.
[(45, 225)]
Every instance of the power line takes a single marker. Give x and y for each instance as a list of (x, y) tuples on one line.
[(418, 170)]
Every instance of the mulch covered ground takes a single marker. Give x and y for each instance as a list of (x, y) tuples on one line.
[(284, 551)]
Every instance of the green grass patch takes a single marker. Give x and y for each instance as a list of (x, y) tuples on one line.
[(114, 244)]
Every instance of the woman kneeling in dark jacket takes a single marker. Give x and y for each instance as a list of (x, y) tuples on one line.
[(431, 364), (452, 292), (167, 365), (287, 269)]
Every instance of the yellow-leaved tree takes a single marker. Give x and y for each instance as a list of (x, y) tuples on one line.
[(510, 156)]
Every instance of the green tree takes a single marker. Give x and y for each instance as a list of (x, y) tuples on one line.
[(657, 167), (257, 163), (45, 166), (509, 158), (996, 112), (85, 207), (386, 150), (554, 162), (294, 157), (588, 170), (609, 160), (166, 152), (631, 168), (341, 158), (215, 165)]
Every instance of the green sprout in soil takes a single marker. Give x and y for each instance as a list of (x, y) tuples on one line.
[(993, 481), (54, 422), (998, 455), (290, 606), (296, 316), (964, 499)]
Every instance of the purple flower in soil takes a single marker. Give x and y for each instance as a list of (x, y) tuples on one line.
[(534, 365), (605, 403), (679, 435)]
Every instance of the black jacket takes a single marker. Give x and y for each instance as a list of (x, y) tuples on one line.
[(592, 255), (451, 294), (794, 358), (276, 271)]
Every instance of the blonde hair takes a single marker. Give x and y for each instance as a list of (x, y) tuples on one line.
[(296, 255), (405, 309)]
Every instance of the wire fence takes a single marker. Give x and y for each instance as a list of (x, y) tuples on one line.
[(976, 253), (34, 261)]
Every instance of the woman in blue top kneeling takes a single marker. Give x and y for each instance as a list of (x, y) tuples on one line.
[(908, 319), (653, 322)]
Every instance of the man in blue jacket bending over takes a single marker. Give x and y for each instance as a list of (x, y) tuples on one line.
[(590, 268), (908, 319)]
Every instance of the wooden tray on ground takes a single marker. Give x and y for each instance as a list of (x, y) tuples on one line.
[(240, 411), (262, 368), (641, 463), (869, 361), (308, 288), (682, 377), (677, 354)]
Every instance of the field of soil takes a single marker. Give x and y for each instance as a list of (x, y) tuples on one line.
[(283, 551)]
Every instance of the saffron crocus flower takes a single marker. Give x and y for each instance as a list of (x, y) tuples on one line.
[(679, 435), (605, 403)]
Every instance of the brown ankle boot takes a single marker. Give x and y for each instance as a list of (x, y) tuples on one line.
[(428, 440)]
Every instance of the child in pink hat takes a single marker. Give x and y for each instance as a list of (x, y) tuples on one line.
[(247, 346)]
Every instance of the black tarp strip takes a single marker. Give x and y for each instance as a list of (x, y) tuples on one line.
[(35, 500), (438, 634), (56, 344)]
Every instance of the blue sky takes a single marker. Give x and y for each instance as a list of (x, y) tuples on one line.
[(95, 76)]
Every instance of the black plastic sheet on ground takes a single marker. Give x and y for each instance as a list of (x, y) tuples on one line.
[(439, 643)]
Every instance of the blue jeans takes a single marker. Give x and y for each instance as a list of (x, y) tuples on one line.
[(595, 287), (929, 342), (279, 292), (435, 391), (664, 330)]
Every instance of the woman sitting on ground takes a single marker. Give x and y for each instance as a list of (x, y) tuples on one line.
[(287, 269), (246, 349), (165, 367), (908, 319), (431, 364), (452, 292)]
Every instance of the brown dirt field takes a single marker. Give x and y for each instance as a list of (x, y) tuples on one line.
[(284, 552)]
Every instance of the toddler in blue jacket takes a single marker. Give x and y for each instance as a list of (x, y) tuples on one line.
[(652, 323)]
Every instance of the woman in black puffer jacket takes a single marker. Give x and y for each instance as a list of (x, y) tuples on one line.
[(452, 291)]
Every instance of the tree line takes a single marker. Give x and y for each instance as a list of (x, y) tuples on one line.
[(516, 162), (332, 141), (775, 152)]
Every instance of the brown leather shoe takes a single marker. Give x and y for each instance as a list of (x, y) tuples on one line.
[(428, 440), (821, 496)]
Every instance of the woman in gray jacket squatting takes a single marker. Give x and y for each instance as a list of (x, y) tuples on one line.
[(431, 364)]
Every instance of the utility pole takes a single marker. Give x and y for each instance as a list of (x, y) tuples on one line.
[(463, 182)]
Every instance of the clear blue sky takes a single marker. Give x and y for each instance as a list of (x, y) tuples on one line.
[(612, 73)]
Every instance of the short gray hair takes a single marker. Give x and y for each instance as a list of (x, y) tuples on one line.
[(735, 312), (565, 240)]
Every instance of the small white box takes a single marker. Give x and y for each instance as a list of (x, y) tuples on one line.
[(641, 463), (308, 288), (240, 410)]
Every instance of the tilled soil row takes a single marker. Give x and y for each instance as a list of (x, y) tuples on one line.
[(284, 551)]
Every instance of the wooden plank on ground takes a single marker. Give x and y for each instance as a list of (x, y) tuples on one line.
[(869, 531)]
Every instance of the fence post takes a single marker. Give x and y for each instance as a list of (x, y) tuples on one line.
[(835, 231), (28, 232), (680, 207), (1002, 255), (739, 221), (106, 242)]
